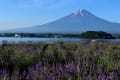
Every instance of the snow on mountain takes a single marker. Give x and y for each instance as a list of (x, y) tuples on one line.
[(79, 12), (82, 12), (76, 22)]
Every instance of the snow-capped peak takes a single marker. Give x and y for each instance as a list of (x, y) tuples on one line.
[(81, 12)]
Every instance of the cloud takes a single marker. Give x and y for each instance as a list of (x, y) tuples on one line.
[(40, 3), (36, 3)]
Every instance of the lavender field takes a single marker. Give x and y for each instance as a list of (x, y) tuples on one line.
[(60, 61)]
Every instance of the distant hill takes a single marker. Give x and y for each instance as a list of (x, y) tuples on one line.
[(96, 35), (77, 22)]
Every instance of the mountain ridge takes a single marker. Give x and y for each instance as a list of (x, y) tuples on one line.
[(76, 22)]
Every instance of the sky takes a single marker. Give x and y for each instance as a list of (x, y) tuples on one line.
[(27, 13)]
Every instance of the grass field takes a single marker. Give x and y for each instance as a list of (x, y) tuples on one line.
[(60, 61)]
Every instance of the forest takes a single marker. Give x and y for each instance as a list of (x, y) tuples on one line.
[(87, 35)]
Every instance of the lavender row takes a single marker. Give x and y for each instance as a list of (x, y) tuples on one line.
[(60, 61)]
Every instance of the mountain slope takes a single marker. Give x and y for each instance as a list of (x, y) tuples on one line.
[(76, 22)]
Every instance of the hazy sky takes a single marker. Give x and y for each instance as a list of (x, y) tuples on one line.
[(25, 13)]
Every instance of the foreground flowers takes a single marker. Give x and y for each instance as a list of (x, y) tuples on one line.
[(60, 61)]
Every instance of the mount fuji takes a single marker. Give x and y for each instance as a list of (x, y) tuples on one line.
[(76, 22)]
